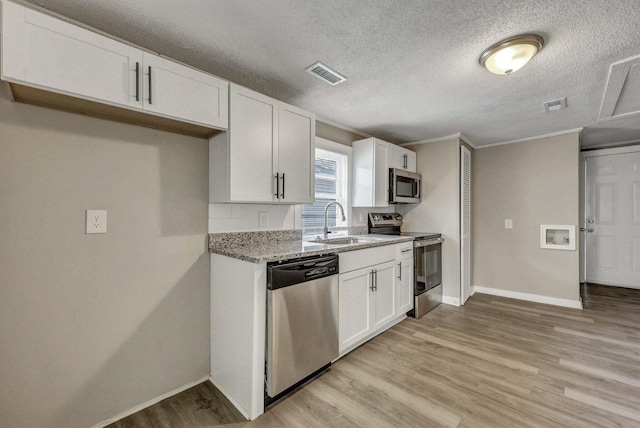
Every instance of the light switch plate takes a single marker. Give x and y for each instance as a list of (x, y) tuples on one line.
[(508, 223), (96, 221)]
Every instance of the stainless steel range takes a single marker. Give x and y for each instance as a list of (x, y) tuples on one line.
[(427, 258)]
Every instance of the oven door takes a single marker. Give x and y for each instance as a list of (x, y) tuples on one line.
[(428, 264)]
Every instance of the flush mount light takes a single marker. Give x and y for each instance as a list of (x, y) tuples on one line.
[(511, 54)]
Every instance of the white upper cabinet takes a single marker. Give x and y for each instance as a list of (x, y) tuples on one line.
[(401, 158), (42, 53), (267, 155), (177, 91), (370, 173), (372, 159), (296, 154)]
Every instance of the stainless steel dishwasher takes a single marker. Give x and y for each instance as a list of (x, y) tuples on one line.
[(302, 320)]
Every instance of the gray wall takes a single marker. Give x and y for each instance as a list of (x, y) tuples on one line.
[(439, 211), (93, 325), (533, 183)]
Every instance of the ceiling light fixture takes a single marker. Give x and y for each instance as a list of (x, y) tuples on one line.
[(511, 54)]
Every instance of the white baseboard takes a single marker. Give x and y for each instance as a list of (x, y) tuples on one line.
[(567, 303), (232, 401), (454, 301), (149, 403)]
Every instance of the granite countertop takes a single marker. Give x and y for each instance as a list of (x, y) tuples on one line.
[(259, 251)]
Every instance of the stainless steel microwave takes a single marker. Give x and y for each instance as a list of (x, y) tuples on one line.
[(404, 186)]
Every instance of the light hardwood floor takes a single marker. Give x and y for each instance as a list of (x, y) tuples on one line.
[(494, 362)]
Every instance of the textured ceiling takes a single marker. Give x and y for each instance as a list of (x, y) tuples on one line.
[(412, 66)]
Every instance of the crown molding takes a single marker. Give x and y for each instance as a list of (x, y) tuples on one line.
[(537, 137), (459, 135)]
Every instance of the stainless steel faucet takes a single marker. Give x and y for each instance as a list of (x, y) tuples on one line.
[(326, 211)]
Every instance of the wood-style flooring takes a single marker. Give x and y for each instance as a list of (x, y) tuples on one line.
[(494, 362)]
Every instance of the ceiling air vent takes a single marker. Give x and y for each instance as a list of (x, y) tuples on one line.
[(555, 105), (323, 72)]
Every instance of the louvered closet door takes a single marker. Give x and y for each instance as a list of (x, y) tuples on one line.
[(465, 224)]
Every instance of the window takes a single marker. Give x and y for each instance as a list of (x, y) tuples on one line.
[(332, 184)]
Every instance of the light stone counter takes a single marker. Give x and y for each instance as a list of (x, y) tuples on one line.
[(270, 246)]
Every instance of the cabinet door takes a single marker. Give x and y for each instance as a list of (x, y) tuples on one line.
[(252, 135), (404, 285), (396, 157), (402, 158), (411, 161), (296, 154), (45, 52), (384, 296), (180, 92), (381, 174), (354, 315)]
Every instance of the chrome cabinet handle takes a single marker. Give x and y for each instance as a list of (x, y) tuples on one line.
[(371, 274), (277, 177), (400, 271), (375, 274), (582, 229), (149, 85), (137, 81)]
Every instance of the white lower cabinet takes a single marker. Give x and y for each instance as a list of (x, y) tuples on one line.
[(368, 295), (404, 278)]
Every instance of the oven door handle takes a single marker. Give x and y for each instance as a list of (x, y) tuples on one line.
[(418, 244)]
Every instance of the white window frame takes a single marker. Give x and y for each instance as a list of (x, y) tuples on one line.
[(332, 146)]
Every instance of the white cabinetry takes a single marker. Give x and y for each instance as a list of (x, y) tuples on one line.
[(372, 159), (367, 295), (371, 173), (404, 277), (268, 154), (174, 90), (402, 158), (43, 56)]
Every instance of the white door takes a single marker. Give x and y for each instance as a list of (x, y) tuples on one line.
[(296, 154), (48, 53), (384, 302), (612, 212), (465, 224), (180, 92), (252, 134), (354, 297)]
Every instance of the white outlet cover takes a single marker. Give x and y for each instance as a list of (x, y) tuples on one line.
[(508, 223), (263, 219), (96, 221)]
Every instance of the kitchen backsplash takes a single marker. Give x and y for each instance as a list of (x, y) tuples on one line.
[(246, 217)]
